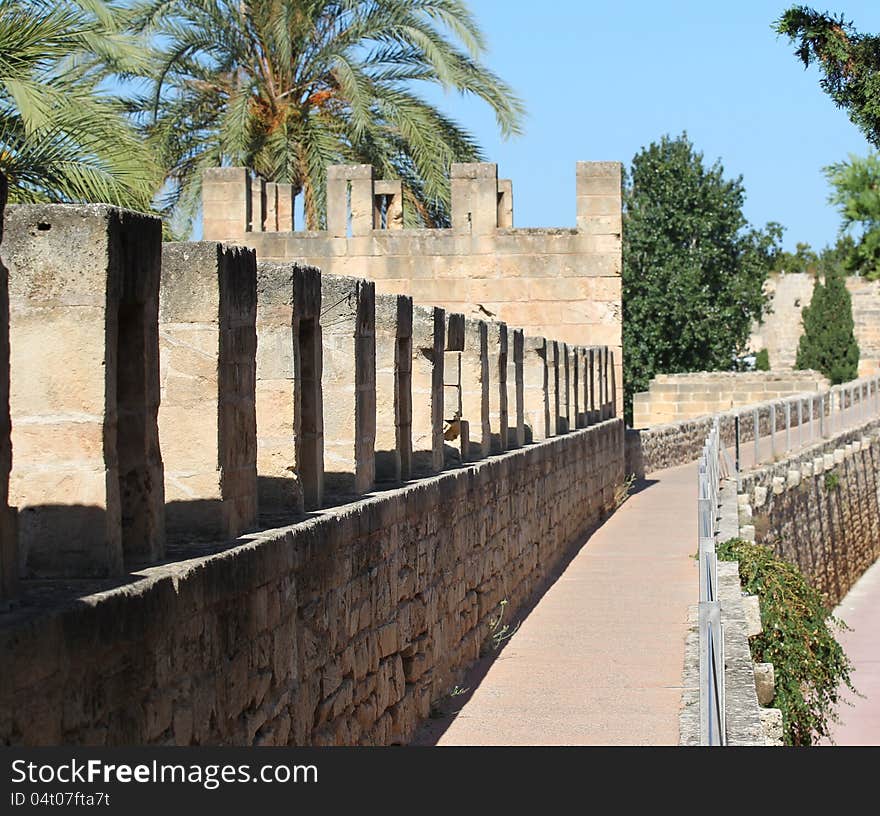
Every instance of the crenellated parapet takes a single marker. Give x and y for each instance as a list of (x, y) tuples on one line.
[(562, 283), (176, 411)]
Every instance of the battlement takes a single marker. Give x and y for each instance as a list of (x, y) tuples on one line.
[(182, 389), (561, 283), (235, 202), (175, 408)]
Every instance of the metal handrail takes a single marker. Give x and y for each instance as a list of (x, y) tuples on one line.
[(711, 630)]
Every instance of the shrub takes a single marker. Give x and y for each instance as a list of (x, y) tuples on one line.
[(809, 663), (762, 360)]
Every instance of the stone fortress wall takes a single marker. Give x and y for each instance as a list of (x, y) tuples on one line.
[(676, 397), (820, 508), (263, 504), (781, 329), (559, 283)]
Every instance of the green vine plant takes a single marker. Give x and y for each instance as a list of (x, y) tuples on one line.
[(798, 639)]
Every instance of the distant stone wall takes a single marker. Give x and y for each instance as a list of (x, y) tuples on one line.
[(677, 443), (676, 397), (820, 509), (560, 283), (797, 420), (339, 630), (781, 329)]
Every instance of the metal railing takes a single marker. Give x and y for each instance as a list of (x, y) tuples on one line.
[(791, 423), (802, 419), (711, 630)]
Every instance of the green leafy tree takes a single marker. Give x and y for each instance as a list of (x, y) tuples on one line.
[(693, 268), (287, 87), (803, 260), (834, 257), (848, 60), (61, 137), (856, 194), (828, 343)]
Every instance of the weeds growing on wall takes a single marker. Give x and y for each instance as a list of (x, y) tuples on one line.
[(798, 639), (622, 491), (832, 480), (498, 631)]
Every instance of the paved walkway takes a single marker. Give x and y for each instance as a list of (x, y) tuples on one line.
[(599, 659), (860, 609)]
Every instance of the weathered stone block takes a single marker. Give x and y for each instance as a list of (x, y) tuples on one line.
[(349, 384), (765, 683), (428, 343), (207, 419), (760, 496), (475, 388), (752, 610), (498, 352), (394, 410), (84, 286), (289, 413), (771, 719)]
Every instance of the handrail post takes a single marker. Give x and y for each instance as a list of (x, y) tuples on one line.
[(787, 425), (756, 426), (800, 422), (773, 431)]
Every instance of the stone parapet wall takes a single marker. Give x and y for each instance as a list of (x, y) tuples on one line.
[(819, 509), (189, 387), (556, 282), (675, 397), (677, 443), (339, 630)]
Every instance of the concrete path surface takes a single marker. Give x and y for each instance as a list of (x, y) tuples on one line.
[(598, 660), (860, 716)]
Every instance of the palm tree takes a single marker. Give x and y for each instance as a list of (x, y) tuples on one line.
[(61, 138), (288, 87)]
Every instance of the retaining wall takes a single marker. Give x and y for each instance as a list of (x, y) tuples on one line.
[(819, 509)]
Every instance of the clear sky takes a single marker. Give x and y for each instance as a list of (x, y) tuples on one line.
[(601, 80)]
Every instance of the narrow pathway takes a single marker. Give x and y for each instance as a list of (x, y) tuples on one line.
[(598, 661), (860, 716)]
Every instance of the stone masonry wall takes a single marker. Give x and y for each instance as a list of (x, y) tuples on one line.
[(782, 327), (676, 443), (560, 283), (820, 509), (673, 397), (339, 630)]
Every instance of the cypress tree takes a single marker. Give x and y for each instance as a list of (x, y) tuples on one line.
[(828, 343)]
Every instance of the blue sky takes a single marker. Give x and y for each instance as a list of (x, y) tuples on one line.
[(601, 80)]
